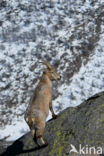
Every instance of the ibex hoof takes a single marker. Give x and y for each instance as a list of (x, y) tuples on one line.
[(54, 116), (42, 143), (45, 144)]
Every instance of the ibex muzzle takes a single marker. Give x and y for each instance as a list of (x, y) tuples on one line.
[(40, 104)]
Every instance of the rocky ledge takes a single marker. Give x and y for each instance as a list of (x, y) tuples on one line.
[(79, 129)]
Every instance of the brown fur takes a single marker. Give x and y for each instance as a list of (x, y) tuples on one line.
[(40, 104)]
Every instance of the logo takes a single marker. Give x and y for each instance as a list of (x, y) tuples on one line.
[(86, 150)]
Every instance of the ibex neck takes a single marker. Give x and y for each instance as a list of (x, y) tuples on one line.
[(45, 80)]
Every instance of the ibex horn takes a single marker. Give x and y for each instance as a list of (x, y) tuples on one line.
[(47, 64)]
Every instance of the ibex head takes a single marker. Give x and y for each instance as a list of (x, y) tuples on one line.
[(51, 72)]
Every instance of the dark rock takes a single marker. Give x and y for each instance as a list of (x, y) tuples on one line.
[(81, 125), (1, 22), (3, 3)]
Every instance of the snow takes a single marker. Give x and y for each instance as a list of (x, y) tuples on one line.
[(15, 130), (19, 55), (87, 82)]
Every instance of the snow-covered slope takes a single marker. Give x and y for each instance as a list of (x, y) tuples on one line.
[(69, 34)]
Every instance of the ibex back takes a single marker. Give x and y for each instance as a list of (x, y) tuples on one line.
[(40, 104)]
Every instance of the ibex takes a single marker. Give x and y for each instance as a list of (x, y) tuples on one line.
[(40, 104)]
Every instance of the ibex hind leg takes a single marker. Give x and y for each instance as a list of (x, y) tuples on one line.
[(33, 130), (39, 133)]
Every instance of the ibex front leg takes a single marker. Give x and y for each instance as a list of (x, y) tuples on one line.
[(52, 111)]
